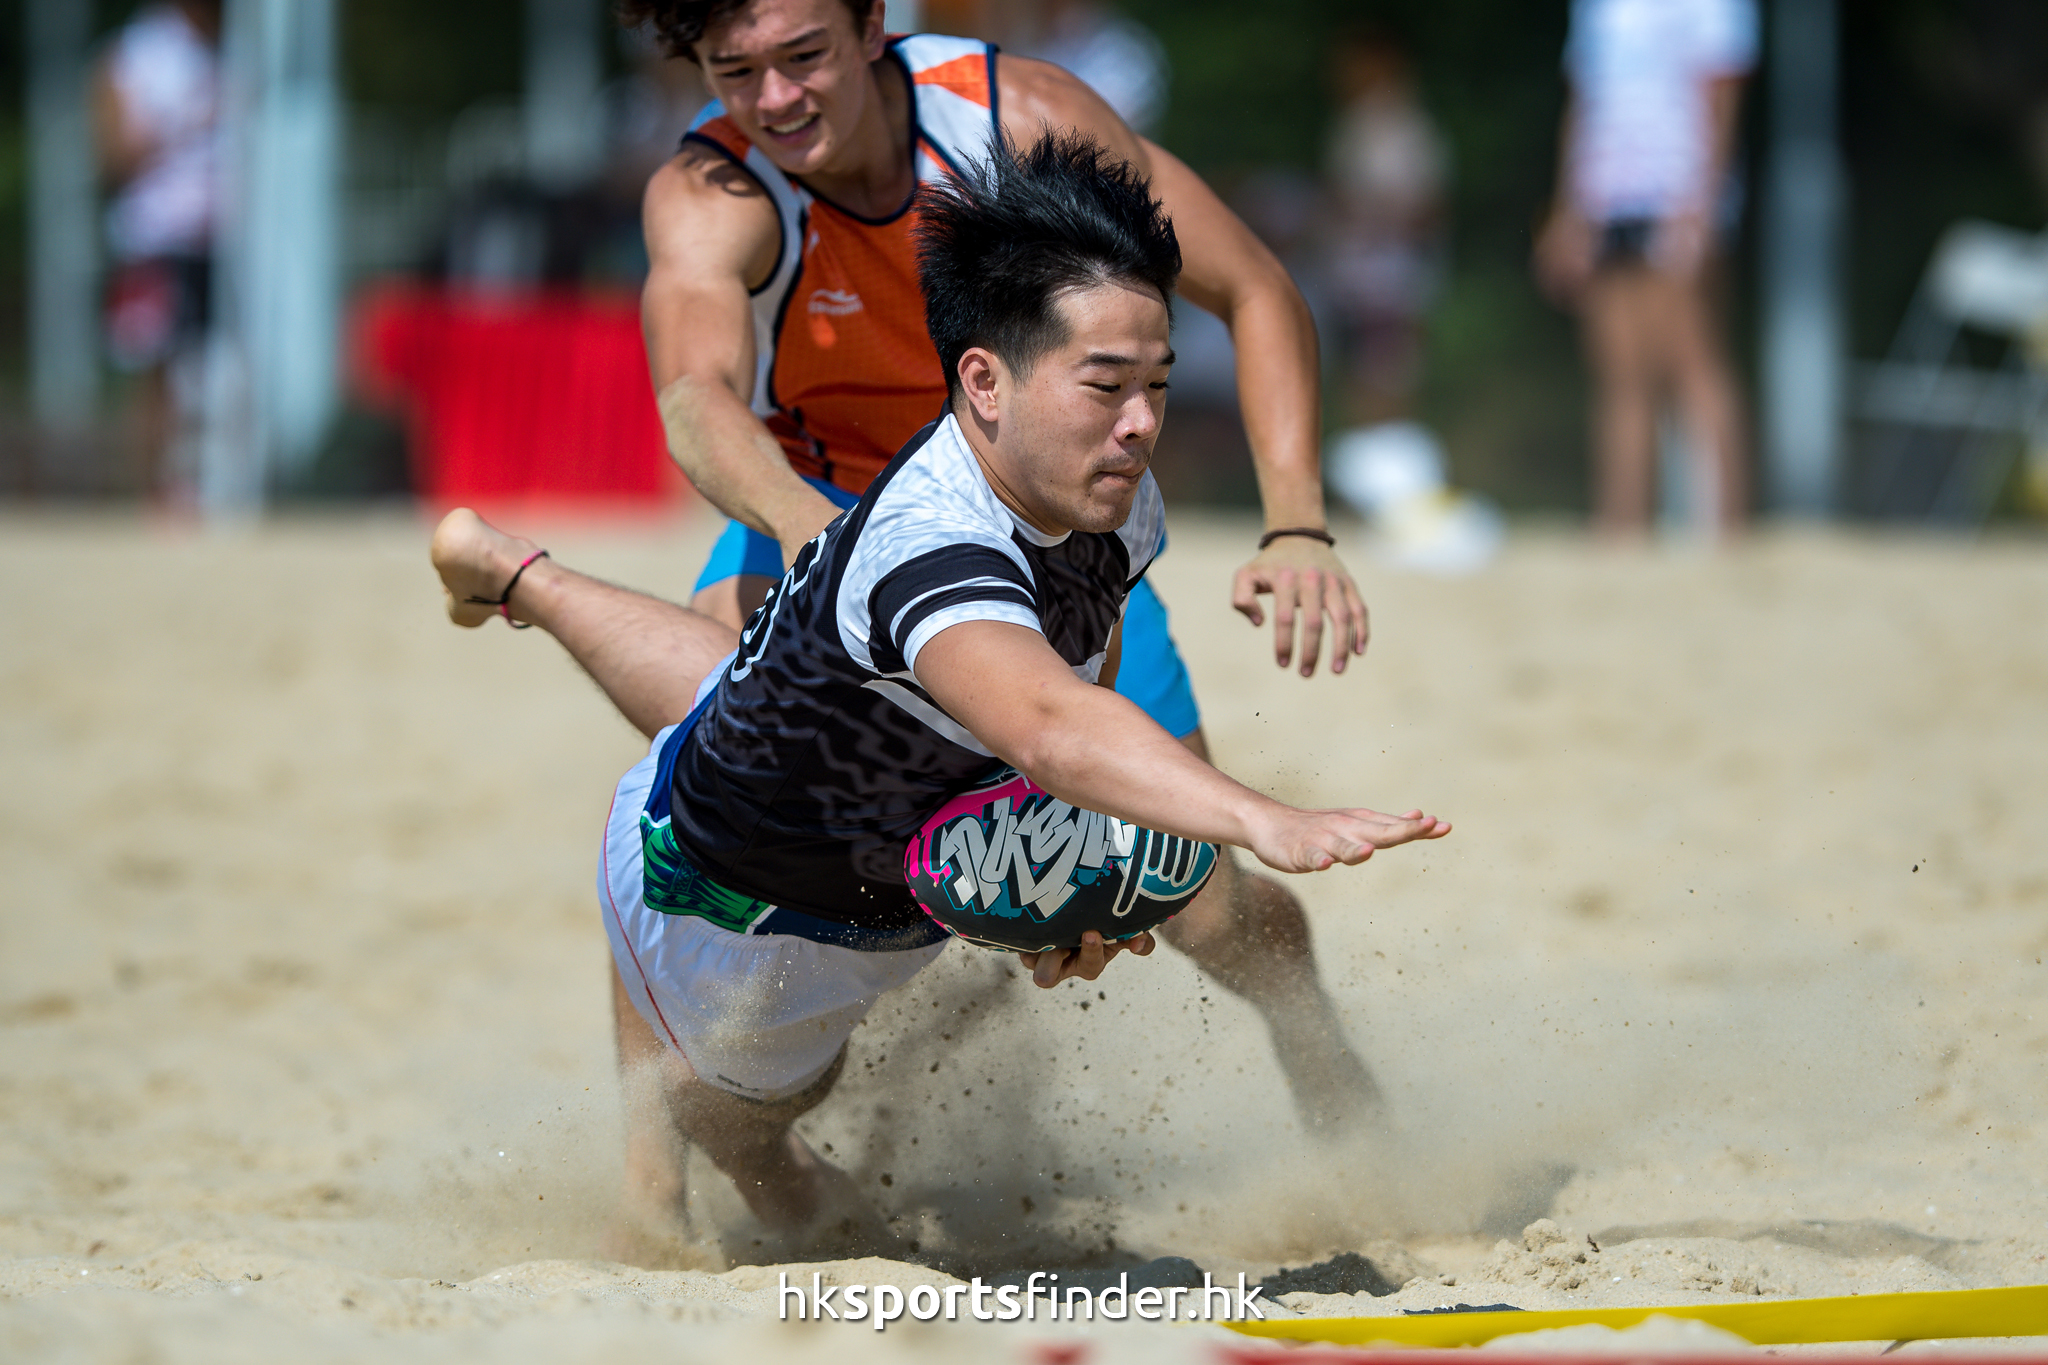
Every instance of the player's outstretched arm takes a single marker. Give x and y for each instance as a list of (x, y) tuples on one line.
[(1093, 748), (711, 236), (1228, 271)]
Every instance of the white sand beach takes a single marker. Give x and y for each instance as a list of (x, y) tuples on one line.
[(1732, 969)]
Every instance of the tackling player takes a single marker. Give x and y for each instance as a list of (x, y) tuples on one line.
[(786, 338), (956, 620)]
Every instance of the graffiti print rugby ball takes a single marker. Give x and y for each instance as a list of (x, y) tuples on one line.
[(1009, 865)]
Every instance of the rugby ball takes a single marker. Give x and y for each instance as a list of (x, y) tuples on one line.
[(1009, 865)]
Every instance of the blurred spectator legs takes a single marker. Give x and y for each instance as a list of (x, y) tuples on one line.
[(1380, 354), (1652, 338), (156, 314)]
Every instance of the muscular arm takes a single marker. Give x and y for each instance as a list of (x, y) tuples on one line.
[(712, 235), (1228, 271), (1093, 748)]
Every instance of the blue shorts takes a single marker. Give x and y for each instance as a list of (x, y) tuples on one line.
[(1151, 673)]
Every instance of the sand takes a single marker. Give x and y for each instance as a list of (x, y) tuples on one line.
[(1733, 965)]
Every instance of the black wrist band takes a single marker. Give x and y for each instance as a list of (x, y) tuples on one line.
[(504, 601), (1312, 532)]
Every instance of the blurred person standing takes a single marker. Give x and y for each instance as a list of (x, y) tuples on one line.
[(1387, 166), (1644, 198), (156, 96)]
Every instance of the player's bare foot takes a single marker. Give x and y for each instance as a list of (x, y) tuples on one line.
[(843, 1224), (475, 560)]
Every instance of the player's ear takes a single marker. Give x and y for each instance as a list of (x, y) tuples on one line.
[(874, 32), (981, 383)]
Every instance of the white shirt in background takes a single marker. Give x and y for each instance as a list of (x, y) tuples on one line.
[(167, 78), (1640, 71)]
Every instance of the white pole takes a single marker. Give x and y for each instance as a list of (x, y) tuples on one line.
[(231, 474), (564, 66), (272, 359), (1803, 344), (297, 323), (63, 256)]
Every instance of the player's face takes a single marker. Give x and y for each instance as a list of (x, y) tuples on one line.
[(1081, 426), (793, 74)]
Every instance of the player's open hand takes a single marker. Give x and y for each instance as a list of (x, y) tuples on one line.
[(1307, 582), (1086, 961), (1313, 840)]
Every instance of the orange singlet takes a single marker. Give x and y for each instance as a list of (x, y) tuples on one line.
[(845, 372)]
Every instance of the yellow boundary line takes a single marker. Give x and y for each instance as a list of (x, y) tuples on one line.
[(2021, 1312)]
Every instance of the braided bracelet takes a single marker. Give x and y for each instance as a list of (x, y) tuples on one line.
[(1312, 532), (504, 603)]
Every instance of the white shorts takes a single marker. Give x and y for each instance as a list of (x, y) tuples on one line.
[(762, 1015)]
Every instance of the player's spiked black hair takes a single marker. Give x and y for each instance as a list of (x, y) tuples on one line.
[(678, 24), (999, 245)]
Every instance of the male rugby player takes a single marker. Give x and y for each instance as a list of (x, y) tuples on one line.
[(787, 342), (964, 615)]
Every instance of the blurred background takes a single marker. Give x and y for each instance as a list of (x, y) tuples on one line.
[(273, 252)]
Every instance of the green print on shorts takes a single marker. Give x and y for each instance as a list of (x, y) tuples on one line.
[(673, 884)]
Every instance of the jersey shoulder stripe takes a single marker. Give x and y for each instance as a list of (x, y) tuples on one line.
[(966, 66), (966, 77), (907, 596), (985, 600), (955, 81), (931, 499)]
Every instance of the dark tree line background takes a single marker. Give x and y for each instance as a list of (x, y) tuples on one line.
[(1945, 109)]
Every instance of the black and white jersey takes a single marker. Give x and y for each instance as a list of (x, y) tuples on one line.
[(819, 755)]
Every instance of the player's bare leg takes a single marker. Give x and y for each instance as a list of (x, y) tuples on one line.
[(1621, 337), (1710, 402), (811, 1207), (1248, 934), (648, 655)]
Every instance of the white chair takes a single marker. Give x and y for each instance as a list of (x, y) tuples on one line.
[(1964, 389)]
